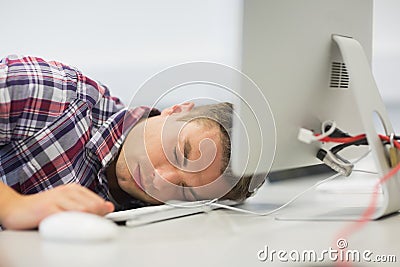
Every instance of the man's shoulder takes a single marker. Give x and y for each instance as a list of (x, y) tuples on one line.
[(26, 77), (19, 67), (65, 80), (35, 92)]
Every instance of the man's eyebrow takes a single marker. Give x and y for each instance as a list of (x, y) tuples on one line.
[(186, 151)]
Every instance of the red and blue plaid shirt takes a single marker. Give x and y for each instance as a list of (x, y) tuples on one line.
[(57, 126)]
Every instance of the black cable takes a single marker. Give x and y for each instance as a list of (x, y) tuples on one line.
[(340, 147), (337, 133)]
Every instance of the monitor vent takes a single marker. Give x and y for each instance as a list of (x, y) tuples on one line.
[(339, 76)]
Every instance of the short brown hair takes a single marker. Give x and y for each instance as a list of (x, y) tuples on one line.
[(220, 115)]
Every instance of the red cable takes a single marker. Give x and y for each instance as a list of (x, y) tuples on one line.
[(355, 138), (387, 138), (342, 139), (370, 210)]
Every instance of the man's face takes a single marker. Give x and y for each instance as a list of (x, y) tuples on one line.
[(170, 159)]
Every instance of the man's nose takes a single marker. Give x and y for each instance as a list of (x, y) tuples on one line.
[(164, 177)]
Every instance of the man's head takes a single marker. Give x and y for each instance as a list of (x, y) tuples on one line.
[(182, 154)]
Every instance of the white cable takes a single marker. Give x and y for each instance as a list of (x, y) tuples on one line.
[(365, 171), (294, 198), (329, 132), (192, 204), (361, 157), (307, 136), (281, 207)]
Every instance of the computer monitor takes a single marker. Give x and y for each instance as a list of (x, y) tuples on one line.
[(311, 60), (288, 51)]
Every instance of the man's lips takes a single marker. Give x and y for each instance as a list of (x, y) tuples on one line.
[(137, 178)]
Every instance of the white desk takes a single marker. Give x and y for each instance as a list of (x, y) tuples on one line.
[(220, 238)]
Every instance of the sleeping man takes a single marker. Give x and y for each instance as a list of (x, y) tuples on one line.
[(67, 144)]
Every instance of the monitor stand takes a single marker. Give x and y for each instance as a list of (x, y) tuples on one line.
[(369, 104)]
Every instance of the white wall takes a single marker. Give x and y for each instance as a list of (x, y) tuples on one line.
[(386, 49), (122, 43)]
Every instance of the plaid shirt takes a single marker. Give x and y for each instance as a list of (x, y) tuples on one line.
[(57, 126)]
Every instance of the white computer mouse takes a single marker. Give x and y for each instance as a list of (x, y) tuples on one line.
[(77, 227)]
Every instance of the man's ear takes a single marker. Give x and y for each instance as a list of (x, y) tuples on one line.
[(183, 107)]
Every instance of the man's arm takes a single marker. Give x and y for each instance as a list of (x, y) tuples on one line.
[(26, 212)]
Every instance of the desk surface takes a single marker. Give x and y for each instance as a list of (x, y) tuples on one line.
[(219, 238)]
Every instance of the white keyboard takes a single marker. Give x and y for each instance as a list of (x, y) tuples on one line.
[(145, 215)]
